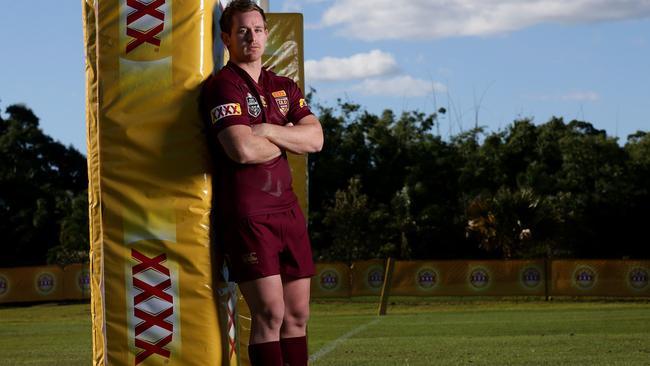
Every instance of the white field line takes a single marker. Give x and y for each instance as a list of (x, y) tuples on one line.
[(335, 343)]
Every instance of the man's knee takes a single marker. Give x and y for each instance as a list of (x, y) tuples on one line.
[(297, 316), (271, 316)]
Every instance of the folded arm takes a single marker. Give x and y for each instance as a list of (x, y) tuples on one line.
[(242, 146), (305, 136)]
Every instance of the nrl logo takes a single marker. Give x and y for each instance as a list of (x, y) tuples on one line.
[(253, 106)]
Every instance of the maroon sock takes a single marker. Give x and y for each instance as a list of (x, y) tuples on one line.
[(294, 351), (265, 354)]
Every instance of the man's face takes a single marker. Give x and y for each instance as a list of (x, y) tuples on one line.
[(247, 38)]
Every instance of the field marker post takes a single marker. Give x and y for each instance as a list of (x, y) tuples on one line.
[(385, 288)]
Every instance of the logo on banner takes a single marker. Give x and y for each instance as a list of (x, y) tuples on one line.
[(329, 280), (479, 278), (45, 283), (375, 277), (531, 277), (152, 290), (254, 108), (225, 110), (145, 23), (4, 285), (638, 278), (584, 277), (83, 280), (426, 278)]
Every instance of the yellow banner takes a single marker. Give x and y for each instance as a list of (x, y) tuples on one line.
[(31, 284), (600, 278), (367, 277), (331, 280), (150, 191), (468, 278), (76, 282)]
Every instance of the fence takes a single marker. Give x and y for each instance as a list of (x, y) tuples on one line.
[(47, 283), (624, 278)]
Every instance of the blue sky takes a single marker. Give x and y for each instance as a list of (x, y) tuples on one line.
[(496, 59)]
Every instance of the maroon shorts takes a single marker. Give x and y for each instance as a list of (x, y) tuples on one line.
[(268, 244)]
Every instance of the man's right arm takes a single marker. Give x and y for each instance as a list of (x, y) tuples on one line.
[(243, 147)]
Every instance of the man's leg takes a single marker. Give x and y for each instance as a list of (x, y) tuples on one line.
[(293, 334), (266, 303)]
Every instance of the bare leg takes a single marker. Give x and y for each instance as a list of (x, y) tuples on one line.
[(296, 308), (264, 297)]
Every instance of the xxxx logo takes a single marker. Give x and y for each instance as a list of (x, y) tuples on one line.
[(145, 23), (153, 319), (225, 110)]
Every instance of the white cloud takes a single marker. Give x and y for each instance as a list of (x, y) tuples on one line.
[(402, 86), (428, 19), (359, 66)]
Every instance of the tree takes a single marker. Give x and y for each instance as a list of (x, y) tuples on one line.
[(35, 173), (516, 224)]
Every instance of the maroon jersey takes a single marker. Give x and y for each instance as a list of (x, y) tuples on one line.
[(232, 97)]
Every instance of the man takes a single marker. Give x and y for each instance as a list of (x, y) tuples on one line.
[(255, 117)]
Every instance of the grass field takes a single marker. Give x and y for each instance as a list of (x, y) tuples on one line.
[(415, 332)]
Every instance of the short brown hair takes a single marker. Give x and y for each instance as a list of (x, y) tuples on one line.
[(238, 6)]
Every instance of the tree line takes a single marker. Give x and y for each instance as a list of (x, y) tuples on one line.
[(386, 185), (43, 195)]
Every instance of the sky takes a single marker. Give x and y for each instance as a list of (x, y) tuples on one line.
[(488, 62)]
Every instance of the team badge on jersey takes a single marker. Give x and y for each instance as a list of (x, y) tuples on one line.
[(254, 108), (282, 100), (225, 110)]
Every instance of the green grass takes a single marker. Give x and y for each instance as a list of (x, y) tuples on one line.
[(484, 333), (47, 334), (415, 332)]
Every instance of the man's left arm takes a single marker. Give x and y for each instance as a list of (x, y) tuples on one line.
[(305, 136)]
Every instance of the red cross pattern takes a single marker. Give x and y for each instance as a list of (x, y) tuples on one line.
[(146, 263), (225, 110), (149, 36), (152, 348), (142, 9), (163, 307)]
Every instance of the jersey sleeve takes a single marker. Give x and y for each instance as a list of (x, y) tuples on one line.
[(224, 103), (298, 107)]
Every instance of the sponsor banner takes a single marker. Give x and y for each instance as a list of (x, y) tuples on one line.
[(331, 280), (76, 282), (600, 278), (367, 277), (31, 284), (468, 278), (150, 188)]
